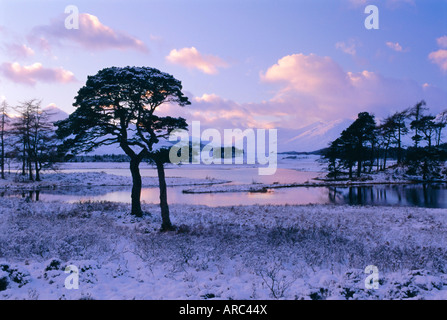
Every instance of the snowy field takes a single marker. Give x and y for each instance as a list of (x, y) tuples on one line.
[(248, 252), (228, 252)]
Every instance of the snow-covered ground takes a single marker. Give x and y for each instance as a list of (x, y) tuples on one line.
[(247, 252), (91, 179), (229, 252)]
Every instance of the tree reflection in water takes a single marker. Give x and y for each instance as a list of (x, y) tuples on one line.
[(419, 195)]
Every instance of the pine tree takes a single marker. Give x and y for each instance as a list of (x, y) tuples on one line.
[(359, 134), (354, 145), (441, 123), (117, 106), (416, 113)]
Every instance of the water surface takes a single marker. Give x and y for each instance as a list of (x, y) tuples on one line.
[(415, 195)]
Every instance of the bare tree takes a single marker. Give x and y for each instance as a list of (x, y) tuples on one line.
[(35, 138), (43, 145), (22, 127), (3, 122)]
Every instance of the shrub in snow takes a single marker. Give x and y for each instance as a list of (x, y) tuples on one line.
[(4, 281), (19, 277), (276, 278), (320, 294), (54, 264)]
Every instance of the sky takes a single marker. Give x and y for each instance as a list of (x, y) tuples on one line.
[(242, 63)]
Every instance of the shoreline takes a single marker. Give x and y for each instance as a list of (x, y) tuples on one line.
[(265, 187), (53, 181), (96, 179)]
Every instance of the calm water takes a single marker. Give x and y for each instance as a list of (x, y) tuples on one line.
[(242, 175), (429, 195)]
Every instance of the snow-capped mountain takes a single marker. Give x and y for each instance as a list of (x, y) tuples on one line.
[(310, 138), (55, 113), (313, 137), (307, 139)]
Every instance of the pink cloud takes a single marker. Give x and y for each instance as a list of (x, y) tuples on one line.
[(442, 41), (440, 58), (34, 73), (349, 48), (394, 46), (92, 35), (307, 74), (191, 58), (316, 88), (311, 88), (215, 111), (19, 51)]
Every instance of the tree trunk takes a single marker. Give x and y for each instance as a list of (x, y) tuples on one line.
[(24, 160), (2, 141), (166, 221), (399, 149), (385, 158), (378, 160), (2, 154), (136, 186), (359, 168), (37, 168), (30, 170)]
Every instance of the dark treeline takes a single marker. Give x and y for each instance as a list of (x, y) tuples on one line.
[(98, 158), (124, 158), (28, 138), (366, 146)]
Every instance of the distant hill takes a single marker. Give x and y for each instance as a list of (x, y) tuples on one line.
[(312, 137), (309, 139), (55, 113)]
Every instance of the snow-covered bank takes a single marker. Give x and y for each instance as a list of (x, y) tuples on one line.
[(388, 177), (89, 179), (249, 252), (264, 187)]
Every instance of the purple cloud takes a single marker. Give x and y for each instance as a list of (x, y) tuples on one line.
[(19, 51), (91, 34), (311, 88), (191, 58), (34, 73), (439, 57)]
